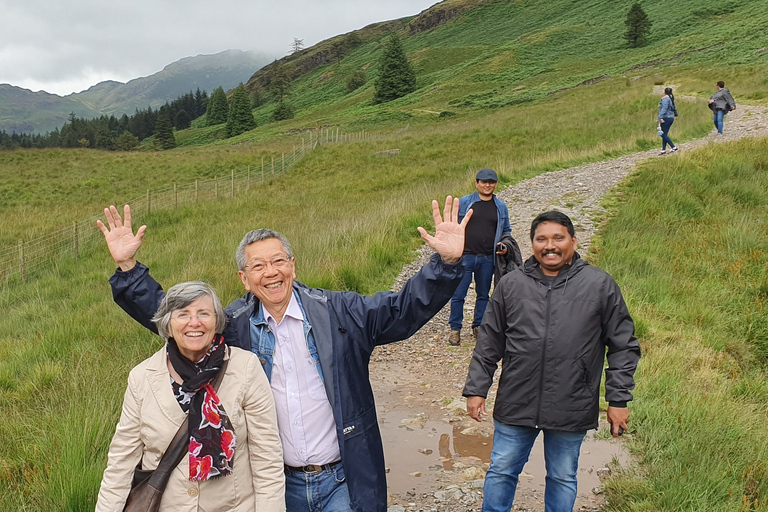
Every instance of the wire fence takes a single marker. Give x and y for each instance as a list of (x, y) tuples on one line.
[(70, 241)]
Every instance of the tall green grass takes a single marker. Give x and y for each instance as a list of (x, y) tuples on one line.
[(689, 246)]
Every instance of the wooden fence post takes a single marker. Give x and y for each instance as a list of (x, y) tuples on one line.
[(77, 252), (262, 169), (175, 197), (149, 203), (22, 267), (283, 161), (197, 191), (233, 183), (273, 165)]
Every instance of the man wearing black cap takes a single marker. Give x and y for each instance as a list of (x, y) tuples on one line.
[(489, 223)]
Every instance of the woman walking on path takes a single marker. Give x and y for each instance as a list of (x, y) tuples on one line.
[(667, 116)]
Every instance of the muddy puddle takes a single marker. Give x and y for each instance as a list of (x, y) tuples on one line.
[(435, 446)]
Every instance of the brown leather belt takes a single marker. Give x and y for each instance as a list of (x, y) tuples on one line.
[(312, 469)]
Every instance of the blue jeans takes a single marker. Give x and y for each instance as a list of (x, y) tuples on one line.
[(511, 448), (325, 491), (482, 268), (665, 126), (718, 118)]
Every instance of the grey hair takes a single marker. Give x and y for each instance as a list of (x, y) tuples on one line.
[(179, 297), (257, 235)]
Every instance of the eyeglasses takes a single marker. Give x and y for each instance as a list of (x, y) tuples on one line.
[(185, 316), (259, 266)]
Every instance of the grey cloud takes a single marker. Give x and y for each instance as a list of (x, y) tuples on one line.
[(47, 43)]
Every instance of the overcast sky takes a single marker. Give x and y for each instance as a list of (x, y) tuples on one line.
[(65, 46)]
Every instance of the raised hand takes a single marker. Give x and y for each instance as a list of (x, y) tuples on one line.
[(448, 241), (122, 243)]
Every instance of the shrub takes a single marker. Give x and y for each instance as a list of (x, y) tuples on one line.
[(355, 81), (282, 111)]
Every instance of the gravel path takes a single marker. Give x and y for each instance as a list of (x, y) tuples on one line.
[(422, 377)]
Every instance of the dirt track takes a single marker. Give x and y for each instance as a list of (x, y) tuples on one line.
[(437, 455)]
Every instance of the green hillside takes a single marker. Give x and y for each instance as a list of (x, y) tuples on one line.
[(509, 52), (509, 72)]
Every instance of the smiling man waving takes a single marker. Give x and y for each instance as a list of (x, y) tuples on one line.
[(314, 346)]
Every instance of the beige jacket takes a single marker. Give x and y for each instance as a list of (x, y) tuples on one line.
[(150, 418)]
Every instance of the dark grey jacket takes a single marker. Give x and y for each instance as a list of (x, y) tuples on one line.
[(552, 342), (723, 100), (505, 263)]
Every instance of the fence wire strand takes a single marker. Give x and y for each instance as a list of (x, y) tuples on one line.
[(71, 241)]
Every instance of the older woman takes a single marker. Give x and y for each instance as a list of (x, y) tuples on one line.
[(235, 459)]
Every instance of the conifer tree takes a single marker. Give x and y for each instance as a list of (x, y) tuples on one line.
[(164, 130), (218, 107), (183, 120), (279, 81), (240, 118), (396, 76), (638, 26)]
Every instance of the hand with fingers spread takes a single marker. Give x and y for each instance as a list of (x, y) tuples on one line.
[(448, 240), (123, 244)]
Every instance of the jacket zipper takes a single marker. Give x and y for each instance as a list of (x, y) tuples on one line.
[(544, 353)]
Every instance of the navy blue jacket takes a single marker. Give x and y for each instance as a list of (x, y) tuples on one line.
[(345, 327)]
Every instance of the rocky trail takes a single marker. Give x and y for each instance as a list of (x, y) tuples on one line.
[(436, 455)]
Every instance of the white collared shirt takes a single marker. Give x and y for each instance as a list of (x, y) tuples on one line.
[(304, 414)]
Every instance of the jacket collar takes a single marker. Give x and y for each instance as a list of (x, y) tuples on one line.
[(159, 379)]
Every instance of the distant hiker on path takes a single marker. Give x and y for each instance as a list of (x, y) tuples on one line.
[(667, 116), (314, 346), (490, 222), (550, 322), (721, 103)]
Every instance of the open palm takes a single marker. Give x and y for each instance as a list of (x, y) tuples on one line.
[(448, 240), (123, 244)]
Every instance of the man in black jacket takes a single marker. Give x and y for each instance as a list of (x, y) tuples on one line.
[(550, 322)]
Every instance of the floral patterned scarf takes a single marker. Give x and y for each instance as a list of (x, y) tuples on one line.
[(211, 436)]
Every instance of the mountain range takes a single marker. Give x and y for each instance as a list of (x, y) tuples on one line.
[(22, 110)]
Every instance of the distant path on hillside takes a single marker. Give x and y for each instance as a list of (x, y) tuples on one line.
[(436, 455)]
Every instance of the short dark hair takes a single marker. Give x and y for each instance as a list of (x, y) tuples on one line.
[(552, 216), (721, 84)]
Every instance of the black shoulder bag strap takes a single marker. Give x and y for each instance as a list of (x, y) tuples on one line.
[(146, 493)]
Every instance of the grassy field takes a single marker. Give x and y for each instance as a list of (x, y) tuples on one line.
[(688, 242), (691, 260), (41, 191)]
